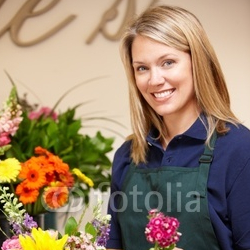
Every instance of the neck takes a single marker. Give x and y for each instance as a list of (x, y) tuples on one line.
[(176, 125)]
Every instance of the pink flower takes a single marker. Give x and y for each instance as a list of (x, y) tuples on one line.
[(162, 230), (10, 118), (44, 111), (11, 244), (4, 139), (83, 241)]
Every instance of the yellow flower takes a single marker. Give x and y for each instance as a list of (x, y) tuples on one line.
[(83, 177), (9, 170), (42, 240)]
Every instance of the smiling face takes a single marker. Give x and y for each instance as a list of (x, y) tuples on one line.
[(164, 77)]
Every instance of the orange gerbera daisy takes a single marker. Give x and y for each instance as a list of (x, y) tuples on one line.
[(56, 195), (26, 195), (50, 177), (67, 178), (42, 151), (32, 173), (49, 172), (59, 165)]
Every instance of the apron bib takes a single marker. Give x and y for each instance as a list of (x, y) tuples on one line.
[(176, 191)]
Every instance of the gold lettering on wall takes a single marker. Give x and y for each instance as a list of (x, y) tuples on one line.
[(25, 12), (110, 15)]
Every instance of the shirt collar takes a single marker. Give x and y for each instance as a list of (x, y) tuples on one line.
[(196, 131)]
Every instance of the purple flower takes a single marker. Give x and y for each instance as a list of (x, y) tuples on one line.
[(28, 222), (17, 228), (96, 223), (103, 231), (104, 235), (25, 226)]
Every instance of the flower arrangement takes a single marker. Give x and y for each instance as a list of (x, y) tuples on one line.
[(24, 127), (48, 173), (27, 235), (43, 182), (39, 179), (45, 159), (162, 231)]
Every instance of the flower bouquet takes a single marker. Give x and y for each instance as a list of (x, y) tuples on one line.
[(27, 235), (45, 182), (24, 127), (162, 231), (20, 139), (60, 133), (44, 158)]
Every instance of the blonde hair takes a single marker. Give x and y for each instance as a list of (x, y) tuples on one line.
[(180, 29)]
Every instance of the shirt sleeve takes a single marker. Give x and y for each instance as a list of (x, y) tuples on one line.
[(239, 209), (120, 165)]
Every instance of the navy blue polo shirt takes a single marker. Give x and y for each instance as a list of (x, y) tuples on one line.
[(228, 183)]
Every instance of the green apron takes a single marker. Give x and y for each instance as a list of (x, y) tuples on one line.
[(176, 191)]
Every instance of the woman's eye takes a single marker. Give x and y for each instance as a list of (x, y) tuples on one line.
[(141, 68), (168, 62)]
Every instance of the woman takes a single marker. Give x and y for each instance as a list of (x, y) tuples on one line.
[(189, 155)]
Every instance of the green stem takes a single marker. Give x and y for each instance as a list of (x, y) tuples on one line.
[(81, 217), (4, 233), (12, 188), (157, 246), (74, 87)]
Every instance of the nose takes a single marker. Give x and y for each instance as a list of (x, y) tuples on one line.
[(156, 77)]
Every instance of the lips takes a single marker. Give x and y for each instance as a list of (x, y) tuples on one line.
[(163, 94)]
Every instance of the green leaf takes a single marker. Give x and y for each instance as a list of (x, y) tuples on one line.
[(71, 226), (3, 149), (171, 247), (52, 129), (89, 228)]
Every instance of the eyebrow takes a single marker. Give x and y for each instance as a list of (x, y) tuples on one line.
[(160, 58)]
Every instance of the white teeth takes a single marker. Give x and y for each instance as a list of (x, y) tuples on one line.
[(163, 94)]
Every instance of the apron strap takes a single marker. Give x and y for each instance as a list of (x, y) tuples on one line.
[(205, 161)]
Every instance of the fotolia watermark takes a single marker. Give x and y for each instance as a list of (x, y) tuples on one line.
[(177, 201), (76, 201), (173, 199)]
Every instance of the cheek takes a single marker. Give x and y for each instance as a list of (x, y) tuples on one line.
[(184, 80), (141, 84), (187, 90)]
